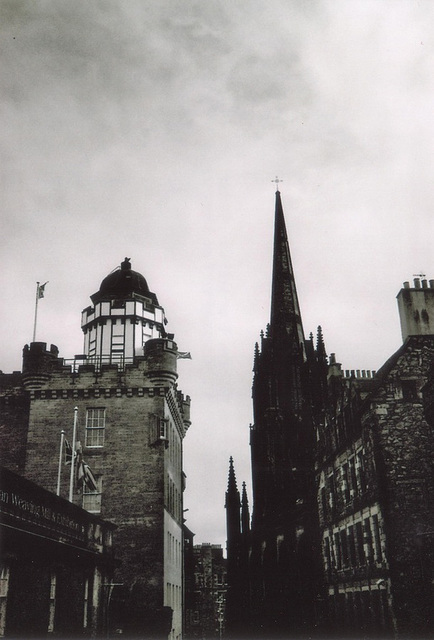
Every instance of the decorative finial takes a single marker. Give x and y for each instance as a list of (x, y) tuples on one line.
[(277, 181)]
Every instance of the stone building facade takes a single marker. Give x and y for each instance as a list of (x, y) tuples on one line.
[(131, 420), (376, 486), (205, 616)]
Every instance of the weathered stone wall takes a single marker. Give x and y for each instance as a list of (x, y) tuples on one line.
[(405, 458), (376, 496), (14, 417)]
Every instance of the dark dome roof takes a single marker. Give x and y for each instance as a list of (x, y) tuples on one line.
[(122, 283)]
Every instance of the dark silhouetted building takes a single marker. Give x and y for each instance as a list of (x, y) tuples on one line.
[(285, 569), (342, 534)]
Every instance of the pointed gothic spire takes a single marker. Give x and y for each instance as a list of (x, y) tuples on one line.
[(232, 505), (320, 346), (285, 310), (256, 356), (232, 482), (245, 514)]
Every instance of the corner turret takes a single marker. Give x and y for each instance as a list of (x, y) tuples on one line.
[(38, 362), (161, 358)]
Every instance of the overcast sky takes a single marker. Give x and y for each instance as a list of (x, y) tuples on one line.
[(153, 129)]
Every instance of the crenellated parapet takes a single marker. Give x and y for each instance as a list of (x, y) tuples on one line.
[(184, 403), (38, 363), (48, 377)]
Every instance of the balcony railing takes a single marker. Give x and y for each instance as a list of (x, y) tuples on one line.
[(97, 362)]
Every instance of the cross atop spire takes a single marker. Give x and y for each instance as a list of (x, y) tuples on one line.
[(277, 181)]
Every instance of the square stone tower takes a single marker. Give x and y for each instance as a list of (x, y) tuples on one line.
[(131, 420)]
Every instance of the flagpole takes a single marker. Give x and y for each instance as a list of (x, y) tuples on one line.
[(62, 438), (74, 434), (36, 312)]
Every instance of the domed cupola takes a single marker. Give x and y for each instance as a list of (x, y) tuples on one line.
[(123, 283), (124, 316)]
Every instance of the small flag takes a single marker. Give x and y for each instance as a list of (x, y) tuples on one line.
[(84, 474), (186, 355), (89, 478), (41, 289), (68, 452), (78, 457)]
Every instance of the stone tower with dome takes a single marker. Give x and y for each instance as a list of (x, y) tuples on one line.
[(131, 422)]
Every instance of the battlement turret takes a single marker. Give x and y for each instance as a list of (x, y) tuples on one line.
[(38, 362), (161, 361)]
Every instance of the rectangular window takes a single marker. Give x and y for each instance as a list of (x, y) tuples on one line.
[(92, 499), (327, 554), (331, 492), (159, 430), (359, 544), (344, 547), (4, 587), (4, 582), (86, 602), (345, 483), (367, 539), (360, 472), (323, 502), (351, 546), (409, 390), (52, 609), (95, 427), (377, 540), (338, 551), (352, 476)]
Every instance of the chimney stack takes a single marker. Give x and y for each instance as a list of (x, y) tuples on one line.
[(416, 308)]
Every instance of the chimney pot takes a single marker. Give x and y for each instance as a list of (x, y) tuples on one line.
[(416, 283)]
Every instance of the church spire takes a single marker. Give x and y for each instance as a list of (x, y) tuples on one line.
[(285, 310), (245, 514), (233, 520), (232, 494)]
